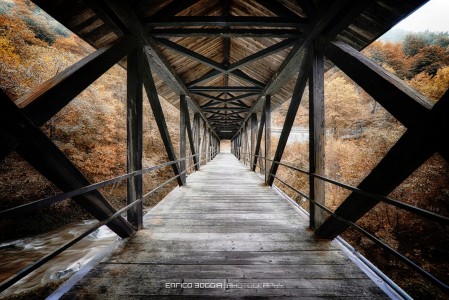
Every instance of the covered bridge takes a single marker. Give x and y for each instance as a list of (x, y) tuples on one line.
[(226, 65)]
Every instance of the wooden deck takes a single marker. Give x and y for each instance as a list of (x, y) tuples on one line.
[(232, 235)]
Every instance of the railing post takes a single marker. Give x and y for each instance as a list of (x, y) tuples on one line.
[(134, 134), (267, 135), (182, 137), (316, 135)]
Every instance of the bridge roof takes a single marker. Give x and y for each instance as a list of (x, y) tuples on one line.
[(226, 55)]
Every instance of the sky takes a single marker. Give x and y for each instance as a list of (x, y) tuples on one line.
[(432, 16)]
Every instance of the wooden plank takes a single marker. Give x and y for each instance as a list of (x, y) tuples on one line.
[(233, 288), (40, 152), (224, 243), (298, 91), (159, 117), (414, 148), (182, 137), (142, 271), (297, 258), (316, 135), (134, 110)]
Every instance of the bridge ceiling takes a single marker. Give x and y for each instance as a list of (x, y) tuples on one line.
[(226, 55)]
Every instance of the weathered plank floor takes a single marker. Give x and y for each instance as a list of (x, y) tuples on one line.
[(230, 234)]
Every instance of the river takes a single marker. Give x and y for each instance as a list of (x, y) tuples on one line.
[(15, 255)]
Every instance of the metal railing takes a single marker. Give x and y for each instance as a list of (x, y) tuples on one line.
[(44, 202), (247, 158)]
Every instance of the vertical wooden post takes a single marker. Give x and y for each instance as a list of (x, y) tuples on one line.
[(267, 136), (316, 135), (247, 141), (204, 141), (253, 135), (134, 134), (259, 140), (209, 134), (197, 138), (182, 137)]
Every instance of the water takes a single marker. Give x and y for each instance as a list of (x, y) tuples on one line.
[(15, 255)]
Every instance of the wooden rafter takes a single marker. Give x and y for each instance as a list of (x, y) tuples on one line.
[(211, 32), (293, 22)]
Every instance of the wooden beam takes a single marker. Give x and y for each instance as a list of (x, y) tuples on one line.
[(259, 139), (204, 78), (191, 54), (44, 101), (240, 109), (298, 91), (225, 89), (253, 134), (267, 135), (182, 21), (204, 143), (316, 136), (41, 153), (387, 89), (213, 104), (182, 137), (214, 33), (134, 134), (413, 149), (262, 53), (159, 117), (308, 7), (197, 136), (190, 135)]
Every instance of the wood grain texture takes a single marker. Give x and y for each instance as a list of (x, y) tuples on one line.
[(225, 227)]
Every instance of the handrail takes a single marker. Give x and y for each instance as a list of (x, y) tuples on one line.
[(50, 200), (435, 217), (27, 208)]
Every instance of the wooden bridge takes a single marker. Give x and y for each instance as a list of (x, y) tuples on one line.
[(226, 65), (226, 235)]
